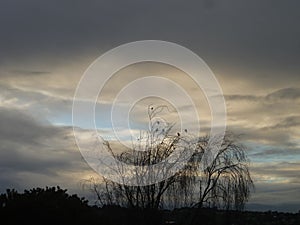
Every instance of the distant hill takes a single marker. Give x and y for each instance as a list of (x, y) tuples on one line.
[(292, 208)]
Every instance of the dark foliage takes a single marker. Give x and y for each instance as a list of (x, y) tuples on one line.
[(56, 206), (43, 206)]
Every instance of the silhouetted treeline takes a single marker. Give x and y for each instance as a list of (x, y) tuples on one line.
[(43, 206), (55, 206)]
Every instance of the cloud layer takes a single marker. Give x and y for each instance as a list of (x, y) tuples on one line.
[(33, 153), (253, 48)]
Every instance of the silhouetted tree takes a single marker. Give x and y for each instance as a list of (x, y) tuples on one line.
[(224, 183)]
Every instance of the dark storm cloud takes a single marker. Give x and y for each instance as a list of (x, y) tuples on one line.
[(19, 127), (35, 153), (254, 35)]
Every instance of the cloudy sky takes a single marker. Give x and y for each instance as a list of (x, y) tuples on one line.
[(252, 47)]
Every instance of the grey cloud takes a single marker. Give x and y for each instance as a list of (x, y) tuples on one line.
[(281, 170), (41, 104), (28, 72), (242, 97), (269, 137), (36, 153), (232, 36), (278, 95), (18, 126), (288, 122), (276, 152), (273, 117), (285, 94), (209, 4)]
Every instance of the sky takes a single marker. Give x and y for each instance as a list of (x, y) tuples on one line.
[(252, 47)]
